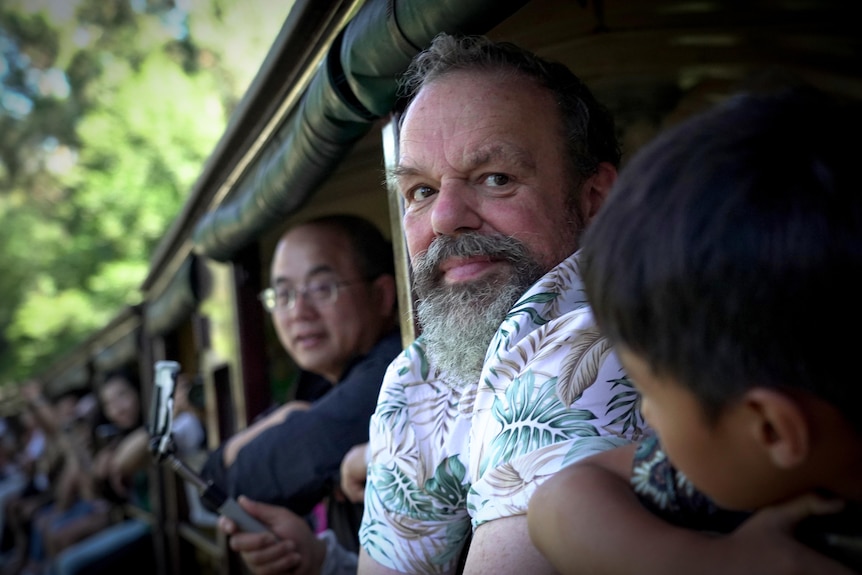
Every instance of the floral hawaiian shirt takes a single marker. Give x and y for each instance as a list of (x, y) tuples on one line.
[(446, 459)]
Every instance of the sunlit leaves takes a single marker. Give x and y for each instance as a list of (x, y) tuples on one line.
[(117, 117), (60, 318)]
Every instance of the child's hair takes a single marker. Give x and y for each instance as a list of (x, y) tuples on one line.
[(729, 254)]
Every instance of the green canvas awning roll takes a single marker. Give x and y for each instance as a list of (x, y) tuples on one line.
[(353, 87)]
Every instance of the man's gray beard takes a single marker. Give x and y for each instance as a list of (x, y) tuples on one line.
[(458, 322)]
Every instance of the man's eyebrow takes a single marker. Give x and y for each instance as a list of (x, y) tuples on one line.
[(505, 153), (315, 271), (502, 152), (401, 171), (318, 270)]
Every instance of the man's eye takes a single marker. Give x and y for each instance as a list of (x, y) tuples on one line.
[(420, 193), (283, 294), (497, 180), (317, 289)]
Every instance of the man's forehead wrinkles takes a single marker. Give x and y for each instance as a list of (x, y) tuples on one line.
[(320, 269), (403, 170), (472, 157), (499, 151), (402, 175), (281, 278)]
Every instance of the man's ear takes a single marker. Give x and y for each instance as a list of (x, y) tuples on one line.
[(387, 294), (779, 426), (596, 189)]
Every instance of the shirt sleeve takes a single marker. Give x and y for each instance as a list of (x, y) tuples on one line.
[(296, 462), (557, 396)]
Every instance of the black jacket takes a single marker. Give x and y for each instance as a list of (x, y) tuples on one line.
[(296, 464)]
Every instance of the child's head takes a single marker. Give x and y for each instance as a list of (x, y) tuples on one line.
[(725, 266)]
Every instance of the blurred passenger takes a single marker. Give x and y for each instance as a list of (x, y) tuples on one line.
[(189, 437), (333, 305), (16, 438), (120, 472), (45, 462), (188, 427)]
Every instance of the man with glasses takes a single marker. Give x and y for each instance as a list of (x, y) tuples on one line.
[(333, 305)]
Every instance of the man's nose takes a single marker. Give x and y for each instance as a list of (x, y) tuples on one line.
[(455, 209)]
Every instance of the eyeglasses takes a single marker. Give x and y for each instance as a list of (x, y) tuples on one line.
[(320, 292)]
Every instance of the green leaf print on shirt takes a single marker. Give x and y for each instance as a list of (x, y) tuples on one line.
[(628, 403), (443, 492), (530, 421), (448, 484), (419, 350)]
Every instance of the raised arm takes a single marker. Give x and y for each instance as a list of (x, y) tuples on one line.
[(129, 456), (43, 412), (587, 520)]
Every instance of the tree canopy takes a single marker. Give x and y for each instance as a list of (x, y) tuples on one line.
[(108, 112)]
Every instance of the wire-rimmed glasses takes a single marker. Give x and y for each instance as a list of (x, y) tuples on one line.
[(282, 298)]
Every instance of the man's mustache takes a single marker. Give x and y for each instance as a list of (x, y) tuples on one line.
[(470, 244)]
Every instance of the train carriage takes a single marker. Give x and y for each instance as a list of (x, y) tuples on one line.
[(315, 132)]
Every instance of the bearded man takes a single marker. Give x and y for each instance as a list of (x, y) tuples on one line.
[(504, 158)]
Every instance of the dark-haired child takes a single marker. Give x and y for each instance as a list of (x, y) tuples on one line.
[(726, 269)]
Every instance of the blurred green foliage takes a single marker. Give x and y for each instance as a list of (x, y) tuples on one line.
[(109, 110)]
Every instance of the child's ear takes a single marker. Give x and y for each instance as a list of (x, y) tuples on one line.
[(779, 426)]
